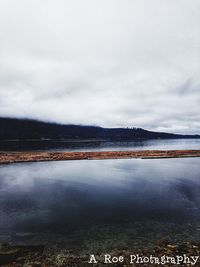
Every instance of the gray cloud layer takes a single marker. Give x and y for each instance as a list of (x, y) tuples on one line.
[(110, 62)]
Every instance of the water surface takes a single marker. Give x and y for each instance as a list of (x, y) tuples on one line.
[(66, 145), (101, 203)]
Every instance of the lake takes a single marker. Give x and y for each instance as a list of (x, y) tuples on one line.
[(58, 145), (100, 204)]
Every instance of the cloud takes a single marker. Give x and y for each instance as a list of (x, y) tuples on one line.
[(110, 62)]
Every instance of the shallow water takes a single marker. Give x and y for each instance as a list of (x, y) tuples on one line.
[(100, 204)]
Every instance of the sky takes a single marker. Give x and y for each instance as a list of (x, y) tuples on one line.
[(112, 63)]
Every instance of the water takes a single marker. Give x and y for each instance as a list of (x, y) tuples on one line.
[(99, 205), (99, 145)]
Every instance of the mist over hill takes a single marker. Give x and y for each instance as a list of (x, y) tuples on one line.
[(24, 129)]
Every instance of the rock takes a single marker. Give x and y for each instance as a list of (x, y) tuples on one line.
[(171, 246), (37, 264), (21, 259)]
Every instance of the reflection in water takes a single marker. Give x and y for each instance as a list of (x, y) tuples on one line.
[(62, 196), (53, 145)]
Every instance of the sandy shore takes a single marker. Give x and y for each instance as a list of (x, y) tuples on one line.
[(14, 157)]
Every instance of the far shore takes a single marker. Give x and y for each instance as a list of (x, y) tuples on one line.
[(17, 157)]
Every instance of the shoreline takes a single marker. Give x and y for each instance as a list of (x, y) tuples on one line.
[(35, 256), (17, 157)]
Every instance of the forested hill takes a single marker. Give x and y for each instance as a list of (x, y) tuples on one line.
[(31, 129)]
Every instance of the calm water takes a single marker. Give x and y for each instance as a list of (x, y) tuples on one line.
[(94, 205), (99, 145)]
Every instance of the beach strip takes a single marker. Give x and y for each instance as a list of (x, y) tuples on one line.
[(16, 157)]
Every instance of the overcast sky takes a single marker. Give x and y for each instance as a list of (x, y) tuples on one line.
[(113, 63)]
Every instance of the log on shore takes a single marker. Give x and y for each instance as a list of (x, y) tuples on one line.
[(15, 157)]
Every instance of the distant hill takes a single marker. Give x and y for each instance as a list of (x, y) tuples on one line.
[(24, 129)]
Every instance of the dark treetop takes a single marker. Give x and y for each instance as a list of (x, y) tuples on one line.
[(24, 129)]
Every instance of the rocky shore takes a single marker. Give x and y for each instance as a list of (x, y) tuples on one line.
[(15, 157), (35, 256)]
